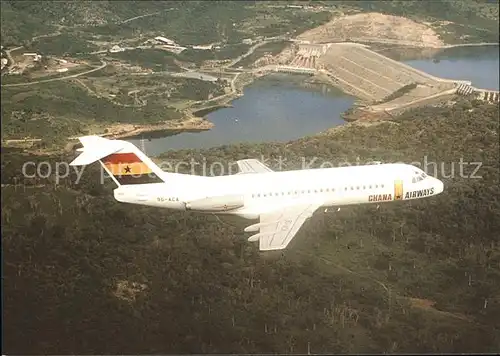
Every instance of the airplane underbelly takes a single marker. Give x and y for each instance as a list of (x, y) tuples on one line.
[(344, 200), (149, 199)]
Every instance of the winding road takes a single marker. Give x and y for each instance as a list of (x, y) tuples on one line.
[(9, 56), (104, 64), (146, 15), (416, 44), (253, 48)]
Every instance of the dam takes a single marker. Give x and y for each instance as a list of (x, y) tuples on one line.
[(278, 107), (379, 82)]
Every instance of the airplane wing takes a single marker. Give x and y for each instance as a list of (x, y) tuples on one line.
[(278, 228), (252, 166)]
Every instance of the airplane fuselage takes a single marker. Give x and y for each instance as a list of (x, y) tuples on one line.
[(280, 201), (249, 195)]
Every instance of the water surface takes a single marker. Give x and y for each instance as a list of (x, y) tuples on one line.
[(273, 108), (476, 64), (279, 108)]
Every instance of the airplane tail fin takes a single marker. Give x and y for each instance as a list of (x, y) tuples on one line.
[(122, 160)]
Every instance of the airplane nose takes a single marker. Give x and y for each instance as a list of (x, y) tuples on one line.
[(439, 186)]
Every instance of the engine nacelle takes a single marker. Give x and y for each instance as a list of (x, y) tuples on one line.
[(215, 204)]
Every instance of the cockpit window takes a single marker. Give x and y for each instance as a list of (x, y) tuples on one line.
[(418, 177)]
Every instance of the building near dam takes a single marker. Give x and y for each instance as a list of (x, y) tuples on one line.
[(164, 40)]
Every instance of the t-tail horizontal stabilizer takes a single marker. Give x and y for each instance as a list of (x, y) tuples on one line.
[(94, 148), (122, 160)]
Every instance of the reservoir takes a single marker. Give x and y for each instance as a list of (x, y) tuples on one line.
[(273, 108), (476, 64), (280, 108)]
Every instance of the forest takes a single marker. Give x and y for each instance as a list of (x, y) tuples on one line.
[(84, 274), (65, 44), (196, 22), (155, 59), (202, 22)]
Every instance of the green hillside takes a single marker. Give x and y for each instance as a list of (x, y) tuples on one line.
[(198, 22)]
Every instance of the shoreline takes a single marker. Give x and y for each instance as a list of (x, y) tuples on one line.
[(130, 131), (193, 123)]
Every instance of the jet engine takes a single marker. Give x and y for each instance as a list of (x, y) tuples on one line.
[(218, 203)]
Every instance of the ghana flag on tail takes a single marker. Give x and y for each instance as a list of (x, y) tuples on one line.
[(127, 169)]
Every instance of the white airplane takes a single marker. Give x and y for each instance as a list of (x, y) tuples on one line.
[(282, 201)]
